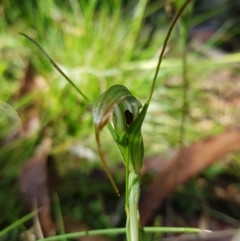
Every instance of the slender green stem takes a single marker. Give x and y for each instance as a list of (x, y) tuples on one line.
[(58, 214), (57, 68), (126, 184), (116, 231), (185, 106), (164, 48), (133, 222), (17, 223), (183, 27), (133, 185)]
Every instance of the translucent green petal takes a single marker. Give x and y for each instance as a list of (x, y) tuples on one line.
[(118, 105)]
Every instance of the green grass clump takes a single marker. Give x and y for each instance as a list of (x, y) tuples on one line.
[(97, 44)]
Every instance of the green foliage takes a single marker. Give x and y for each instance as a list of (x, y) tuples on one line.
[(96, 44)]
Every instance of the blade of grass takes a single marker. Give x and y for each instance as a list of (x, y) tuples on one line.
[(58, 213), (116, 231), (164, 48), (17, 223), (56, 67)]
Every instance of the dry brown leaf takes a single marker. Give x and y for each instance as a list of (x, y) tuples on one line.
[(187, 163), (30, 83), (36, 183)]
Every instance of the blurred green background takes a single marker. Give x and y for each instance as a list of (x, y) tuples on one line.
[(98, 44)]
